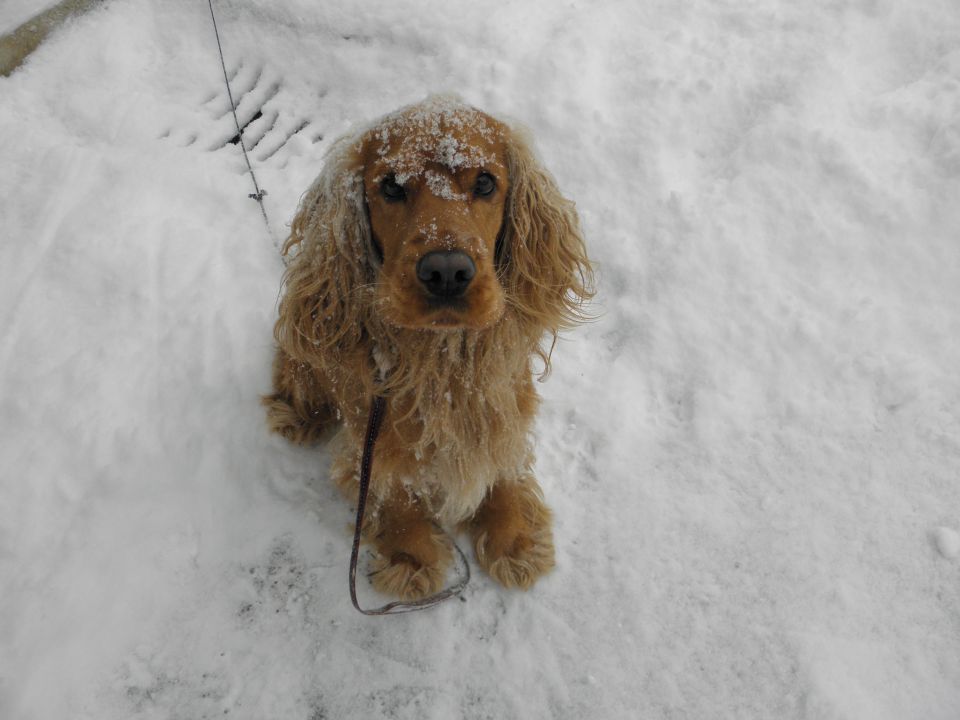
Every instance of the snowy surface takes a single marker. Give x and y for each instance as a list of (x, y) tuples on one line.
[(753, 455)]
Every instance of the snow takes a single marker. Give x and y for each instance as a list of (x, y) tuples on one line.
[(428, 130), (15, 12), (752, 456)]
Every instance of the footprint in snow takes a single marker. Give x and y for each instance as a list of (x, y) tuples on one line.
[(947, 542)]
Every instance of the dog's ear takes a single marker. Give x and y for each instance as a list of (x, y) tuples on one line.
[(331, 264), (546, 273)]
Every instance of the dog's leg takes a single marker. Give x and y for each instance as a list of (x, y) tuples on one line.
[(512, 534), (299, 408), (413, 553)]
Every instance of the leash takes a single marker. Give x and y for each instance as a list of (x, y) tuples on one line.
[(377, 409), (257, 193)]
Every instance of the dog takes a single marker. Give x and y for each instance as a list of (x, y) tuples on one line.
[(431, 262)]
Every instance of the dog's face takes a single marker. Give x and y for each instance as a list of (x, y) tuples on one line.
[(436, 183)]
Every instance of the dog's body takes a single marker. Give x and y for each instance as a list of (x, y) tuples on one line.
[(433, 255)]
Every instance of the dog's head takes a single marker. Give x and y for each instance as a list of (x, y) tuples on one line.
[(435, 183), (437, 217)]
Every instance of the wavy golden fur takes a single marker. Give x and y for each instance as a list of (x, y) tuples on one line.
[(359, 316)]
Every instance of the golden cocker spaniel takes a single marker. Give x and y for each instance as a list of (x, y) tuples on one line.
[(429, 262)]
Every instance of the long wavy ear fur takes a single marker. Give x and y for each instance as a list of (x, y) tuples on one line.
[(330, 274), (546, 272)]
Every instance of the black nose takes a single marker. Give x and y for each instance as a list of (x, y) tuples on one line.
[(446, 273)]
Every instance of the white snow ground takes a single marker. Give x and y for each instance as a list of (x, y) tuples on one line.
[(753, 456)]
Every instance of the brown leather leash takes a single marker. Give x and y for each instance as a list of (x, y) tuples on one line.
[(377, 409)]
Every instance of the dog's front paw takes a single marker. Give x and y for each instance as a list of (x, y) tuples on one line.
[(411, 563), (516, 562), (405, 577), (512, 535)]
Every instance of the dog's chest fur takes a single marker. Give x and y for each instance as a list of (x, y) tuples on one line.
[(458, 407)]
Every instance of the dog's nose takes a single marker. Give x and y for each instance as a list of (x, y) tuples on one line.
[(446, 273)]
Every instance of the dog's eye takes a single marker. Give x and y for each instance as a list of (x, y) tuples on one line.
[(391, 190), (485, 185)]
